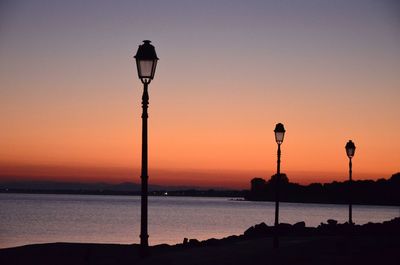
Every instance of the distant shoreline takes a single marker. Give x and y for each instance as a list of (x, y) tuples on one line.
[(381, 192), (179, 193), (190, 193)]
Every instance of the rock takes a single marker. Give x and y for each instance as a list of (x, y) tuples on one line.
[(258, 230), (194, 242), (298, 225), (332, 222), (284, 226), (231, 238), (261, 227), (250, 231), (211, 242), (185, 241)]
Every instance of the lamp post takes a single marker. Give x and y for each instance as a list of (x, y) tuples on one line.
[(146, 62), (279, 135), (350, 150)]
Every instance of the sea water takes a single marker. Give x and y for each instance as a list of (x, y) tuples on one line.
[(42, 218)]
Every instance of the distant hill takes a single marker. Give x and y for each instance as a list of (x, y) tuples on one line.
[(92, 188), (52, 185)]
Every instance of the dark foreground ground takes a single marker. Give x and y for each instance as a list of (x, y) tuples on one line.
[(377, 244)]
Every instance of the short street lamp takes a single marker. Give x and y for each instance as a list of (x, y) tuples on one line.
[(146, 62), (350, 150), (279, 136)]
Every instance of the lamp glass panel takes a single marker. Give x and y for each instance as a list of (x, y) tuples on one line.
[(146, 68), (350, 152), (279, 137)]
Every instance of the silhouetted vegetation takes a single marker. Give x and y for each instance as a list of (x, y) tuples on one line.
[(380, 192)]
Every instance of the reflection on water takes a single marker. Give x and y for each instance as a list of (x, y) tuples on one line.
[(41, 218)]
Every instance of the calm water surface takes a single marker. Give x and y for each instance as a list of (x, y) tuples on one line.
[(41, 218)]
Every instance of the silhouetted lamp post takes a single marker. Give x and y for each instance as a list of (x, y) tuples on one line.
[(350, 150), (279, 135), (146, 62)]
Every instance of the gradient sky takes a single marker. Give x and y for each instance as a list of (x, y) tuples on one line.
[(228, 72)]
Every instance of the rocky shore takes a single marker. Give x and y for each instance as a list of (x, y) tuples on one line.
[(329, 243)]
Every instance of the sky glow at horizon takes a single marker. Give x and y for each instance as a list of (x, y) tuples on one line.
[(228, 72)]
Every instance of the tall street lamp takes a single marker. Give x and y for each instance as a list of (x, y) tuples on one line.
[(279, 135), (350, 150), (146, 62)]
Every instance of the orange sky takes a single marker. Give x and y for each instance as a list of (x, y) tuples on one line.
[(70, 97)]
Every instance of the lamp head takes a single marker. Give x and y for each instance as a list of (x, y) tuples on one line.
[(279, 133), (350, 149), (146, 61)]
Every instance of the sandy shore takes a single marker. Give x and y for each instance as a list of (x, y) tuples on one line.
[(293, 250), (377, 246)]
